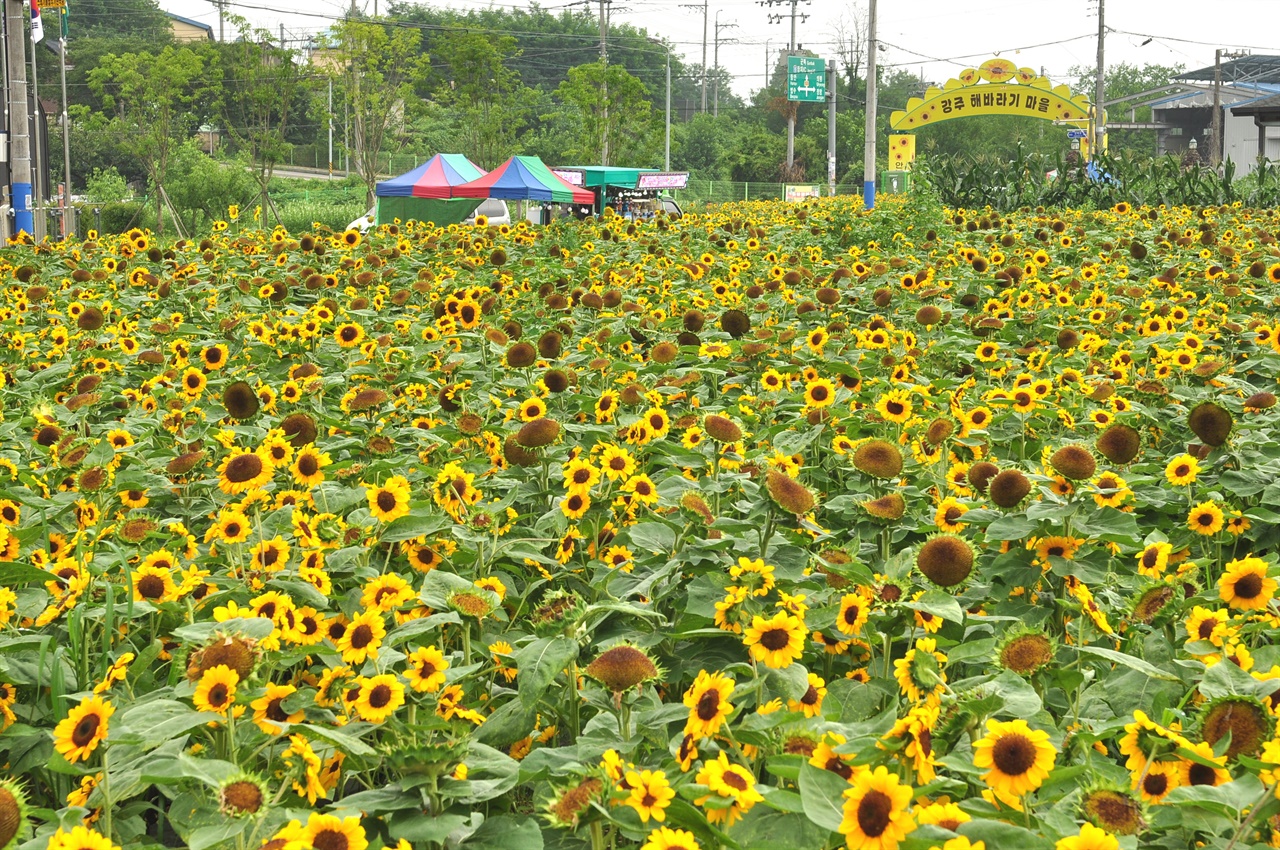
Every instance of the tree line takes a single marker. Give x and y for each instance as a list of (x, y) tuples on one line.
[(487, 83)]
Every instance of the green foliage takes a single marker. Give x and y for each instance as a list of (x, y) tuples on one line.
[(119, 217), (473, 77), (377, 69), (202, 188), (106, 186), (1024, 181), (149, 96), (617, 123)]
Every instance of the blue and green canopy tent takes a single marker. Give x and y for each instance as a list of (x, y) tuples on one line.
[(523, 178), (426, 192)]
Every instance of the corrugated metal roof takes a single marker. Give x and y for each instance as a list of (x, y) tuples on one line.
[(1254, 69), (1263, 104)]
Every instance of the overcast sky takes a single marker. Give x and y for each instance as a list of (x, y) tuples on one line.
[(935, 37)]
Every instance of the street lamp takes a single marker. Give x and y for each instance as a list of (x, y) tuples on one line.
[(666, 161)]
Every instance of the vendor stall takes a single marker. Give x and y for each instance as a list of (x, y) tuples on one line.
[(630, 192)]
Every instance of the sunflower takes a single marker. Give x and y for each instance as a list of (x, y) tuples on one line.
[(379, 697), (1017, 758), (777, 641), (642, 489), (728, 782), (244, 470), (308, 466), (268, 715), (80, 838), (895, 406), (330, 831), (708, 703), (531, 409), (1245, 585), (362, 637), (390, 501), (1089, 838), (85, 727), (1205, 768), (1182, 470), (919, 672), (665, 838), (153, 584), (349, 335), (650, 794), (875, 815), (819, 393), (1205, 519), (214, 357), (1155, 783), (854, 608)]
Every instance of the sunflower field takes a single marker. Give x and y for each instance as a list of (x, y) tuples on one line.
[(778, 527)]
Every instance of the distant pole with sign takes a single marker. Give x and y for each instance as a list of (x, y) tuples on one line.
[(68, 211), (791, 49), (806, 83), (1099, 116), (869, 153), (19, 117), (831, 125)]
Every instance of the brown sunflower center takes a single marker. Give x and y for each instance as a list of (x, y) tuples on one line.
[(1248, 586), (386, 500), (1155, 784), (275, 712), (1013, 754), (837, 766), (810, 696), (1206, 519), (708, 705), (244, 468), (330, 839), (1201, 774), (361, 636), (380, 696), (150, 587), (874, 812), (895, 408), (733, 780), (774, 639), (852, 613), (242, 797), (86, 730)]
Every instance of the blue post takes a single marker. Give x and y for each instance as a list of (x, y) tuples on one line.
[(22, 216), (869, 194)]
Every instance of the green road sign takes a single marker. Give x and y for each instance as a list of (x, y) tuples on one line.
[(806, 79)]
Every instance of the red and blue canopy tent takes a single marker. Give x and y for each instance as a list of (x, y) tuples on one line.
[(426, 192), (523, 178)]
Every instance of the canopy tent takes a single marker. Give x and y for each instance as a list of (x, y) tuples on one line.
[(426, 192), (523, 178)]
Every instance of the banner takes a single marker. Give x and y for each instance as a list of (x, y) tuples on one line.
[(664, 180), (997, 88), (801, 192)]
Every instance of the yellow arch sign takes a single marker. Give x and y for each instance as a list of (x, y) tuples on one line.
[(997, 87)]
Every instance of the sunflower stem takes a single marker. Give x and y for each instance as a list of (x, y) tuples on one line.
[(1253, 810), (597, 835)]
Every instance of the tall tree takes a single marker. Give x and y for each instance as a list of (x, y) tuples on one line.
[(257, 107), (148, 96), (378, 68), (616, 114), (473, 77)]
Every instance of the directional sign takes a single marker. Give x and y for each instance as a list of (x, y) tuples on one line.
[(1077, 134), (806, 79)]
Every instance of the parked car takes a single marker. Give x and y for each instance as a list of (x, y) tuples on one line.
[(669, 206), (364, 222), (494, 210)]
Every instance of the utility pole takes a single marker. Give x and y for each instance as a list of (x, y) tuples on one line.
[(38, 167), (715, 108), (791, 49), (1218, 149), (831, 127), (604, 84), (705, 13), (1099, 119), (869, 151), (68, 211), (19, 117), (666, 158), (767, 75), (331, 128)]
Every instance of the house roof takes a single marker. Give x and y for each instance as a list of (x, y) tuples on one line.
[(1233, 94), (1246, 69), (1266, 106), (191, 22)]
